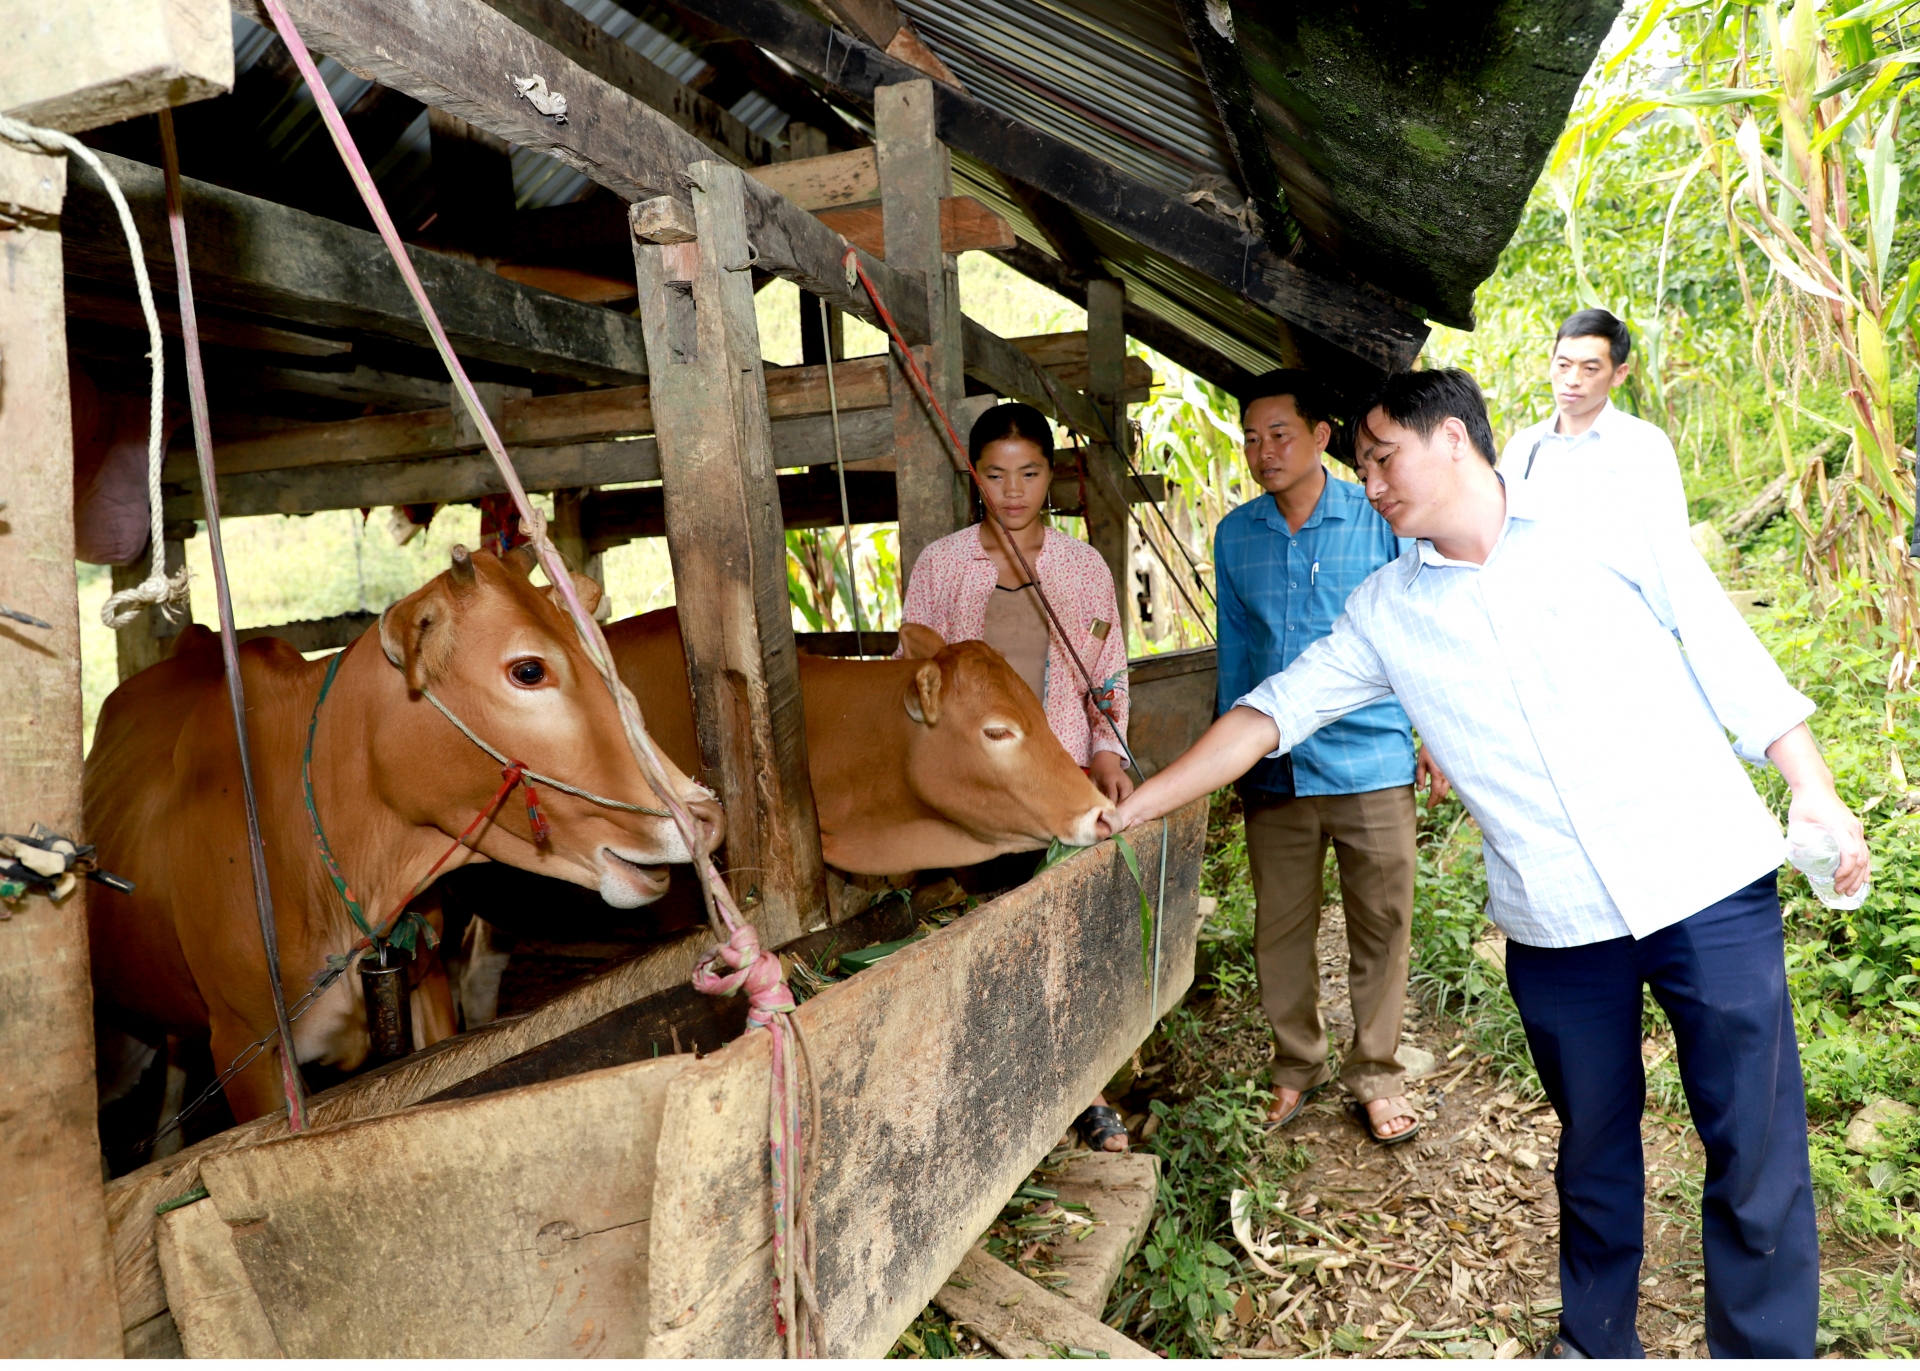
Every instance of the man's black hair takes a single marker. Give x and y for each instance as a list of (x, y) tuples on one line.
[(1597, 323), (1011, 420), (1309, 396), (1423, 400)]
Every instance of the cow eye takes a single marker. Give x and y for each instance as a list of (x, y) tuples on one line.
[(999, 733), (528, 672)]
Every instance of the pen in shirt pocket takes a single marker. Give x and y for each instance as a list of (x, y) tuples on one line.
[(1313, 573)]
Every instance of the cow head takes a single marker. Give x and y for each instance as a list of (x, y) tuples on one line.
[(501, 654), (982, 755)]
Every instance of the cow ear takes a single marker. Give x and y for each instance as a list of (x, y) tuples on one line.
[(923, 701), (421, 633), (918, 641), (585, 587)]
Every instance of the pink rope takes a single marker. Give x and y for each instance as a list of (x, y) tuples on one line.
[(770, 1002)]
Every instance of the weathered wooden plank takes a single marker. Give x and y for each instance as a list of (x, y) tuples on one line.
[(1171, 699), (866, 436), (254, 255), (209, 1296), (966, 225), (1064, 355), (729, 551), (124, 312), (510, 1225), (1019, 1013), (914, 178), (56, 1281), (1107, 479), (1002, 367), (131, 1198), (91, 62), (607, 57), (1019, 1317), (585, 416), (457, 55), (1376, 331), (825, 182)]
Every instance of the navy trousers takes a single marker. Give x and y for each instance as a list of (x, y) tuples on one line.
[(1721, 977)]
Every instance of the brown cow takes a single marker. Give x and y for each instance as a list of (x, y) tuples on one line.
[(943, 758), (393, 780)]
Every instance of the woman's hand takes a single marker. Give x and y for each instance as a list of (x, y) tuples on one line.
[(1109, 772)]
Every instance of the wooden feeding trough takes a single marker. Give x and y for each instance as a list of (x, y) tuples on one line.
[(568, 1180)]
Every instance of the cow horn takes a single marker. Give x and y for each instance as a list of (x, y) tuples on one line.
[(923, 701), (463, 573)]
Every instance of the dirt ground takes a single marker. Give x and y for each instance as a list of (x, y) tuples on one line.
[(1457, 1233), (1449, 1245)]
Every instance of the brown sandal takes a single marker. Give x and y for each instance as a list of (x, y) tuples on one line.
[(1386, 1139)]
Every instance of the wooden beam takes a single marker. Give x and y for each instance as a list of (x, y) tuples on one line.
[(1376, 332), (149, 638), (1064, 355), (584, 416), (914, 178), (966, 225), (1107, 481), (826, 182), (119, 311), (1175, 344), (729, 551), (252, 255), (454, 55), (79, 65), (613, 61), (56, 1280), (1006, 370)]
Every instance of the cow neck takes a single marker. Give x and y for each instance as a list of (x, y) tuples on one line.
[(375, 839)]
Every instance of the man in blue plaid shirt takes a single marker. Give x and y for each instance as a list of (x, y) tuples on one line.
[(1284, 565)]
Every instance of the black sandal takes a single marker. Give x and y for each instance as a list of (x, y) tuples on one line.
[(1097, 1123)]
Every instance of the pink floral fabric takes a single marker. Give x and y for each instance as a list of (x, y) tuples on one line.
[(948, 592)]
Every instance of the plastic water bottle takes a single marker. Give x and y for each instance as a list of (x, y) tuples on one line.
[(1814, 851)]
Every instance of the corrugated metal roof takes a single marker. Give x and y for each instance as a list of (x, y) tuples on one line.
[(1116, 78)]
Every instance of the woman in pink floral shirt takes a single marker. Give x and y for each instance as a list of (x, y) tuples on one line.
[(969, 586)]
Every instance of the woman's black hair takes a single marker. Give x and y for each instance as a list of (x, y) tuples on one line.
[(1011, 420)]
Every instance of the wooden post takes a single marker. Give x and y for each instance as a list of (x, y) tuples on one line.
[(150, 637), (728, 544), (914, 176), (1107, 478), (57, 1295)]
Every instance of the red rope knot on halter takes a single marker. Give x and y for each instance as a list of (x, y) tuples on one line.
[(516, 775), (754, 968)]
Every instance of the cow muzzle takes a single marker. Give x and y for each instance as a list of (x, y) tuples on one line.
[(1084, 831), (626, 882)]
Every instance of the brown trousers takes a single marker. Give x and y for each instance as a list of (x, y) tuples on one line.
[(1373, 840)]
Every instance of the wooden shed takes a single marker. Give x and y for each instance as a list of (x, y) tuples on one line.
[(1239, 186)]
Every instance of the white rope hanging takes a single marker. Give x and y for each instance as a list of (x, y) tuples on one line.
[(169, 594)]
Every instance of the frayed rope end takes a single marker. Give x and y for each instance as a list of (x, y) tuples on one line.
[(169, 593)]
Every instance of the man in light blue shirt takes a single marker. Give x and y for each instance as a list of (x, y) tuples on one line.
[(1284, 564), (1577, 671)]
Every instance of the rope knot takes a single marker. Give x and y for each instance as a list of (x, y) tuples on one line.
[(515, 774), (168, 593)]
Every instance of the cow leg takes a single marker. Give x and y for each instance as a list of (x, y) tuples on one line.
[(256, 1089), (487, 953), (432, 1003), (172, 1099)]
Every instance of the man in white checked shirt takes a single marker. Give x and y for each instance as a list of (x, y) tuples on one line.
[(1537, 645)]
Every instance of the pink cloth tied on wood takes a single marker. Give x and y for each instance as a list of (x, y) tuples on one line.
[(755, 969), (110, 516)]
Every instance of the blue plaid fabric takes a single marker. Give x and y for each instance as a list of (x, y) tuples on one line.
[(1281, 591), (1578, 689)]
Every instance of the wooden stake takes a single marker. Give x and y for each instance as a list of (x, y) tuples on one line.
[(914, 176), (56, 1278), (725, 535), (1107, 479)]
